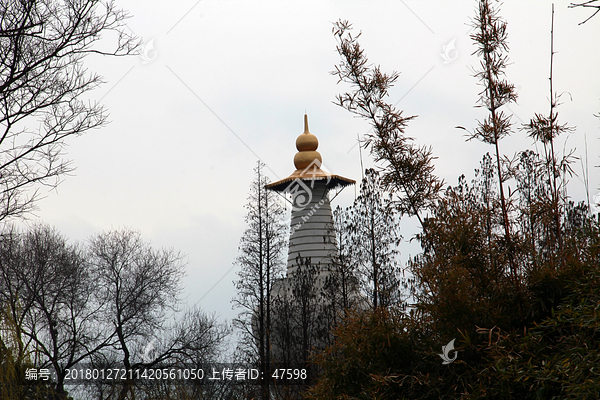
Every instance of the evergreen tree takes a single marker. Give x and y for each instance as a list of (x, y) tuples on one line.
[(509, 278), (302, 322), (341, 290), (407, 168), (491, 39)]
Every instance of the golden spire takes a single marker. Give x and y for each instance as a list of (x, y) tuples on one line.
[(308, 165), (306, 144)]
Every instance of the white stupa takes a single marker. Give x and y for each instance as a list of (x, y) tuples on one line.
[(311, 233), (312, 240)]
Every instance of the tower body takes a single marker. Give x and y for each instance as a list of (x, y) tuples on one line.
[(311, 230), (304, 300)]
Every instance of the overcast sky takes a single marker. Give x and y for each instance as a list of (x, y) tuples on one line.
[(223, 83)]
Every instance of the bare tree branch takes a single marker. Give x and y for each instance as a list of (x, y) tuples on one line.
[(587, 4), (42, 47)]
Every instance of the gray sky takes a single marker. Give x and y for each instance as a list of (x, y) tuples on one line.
[(224, 82)]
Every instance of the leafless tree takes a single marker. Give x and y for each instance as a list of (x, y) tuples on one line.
[(46, 292), (138, 286), (42, 78), (63, 307), (261, 265)]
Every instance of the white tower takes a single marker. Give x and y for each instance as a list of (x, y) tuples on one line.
[(309, 314), (311, 234)]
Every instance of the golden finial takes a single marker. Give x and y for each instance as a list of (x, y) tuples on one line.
[(306, 144), (308, 164), (305, 123)]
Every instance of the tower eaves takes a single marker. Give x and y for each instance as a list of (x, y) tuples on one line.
[(308, 163)]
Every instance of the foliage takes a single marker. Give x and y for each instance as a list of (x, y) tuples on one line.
[(464, 283), (408, 169), (383, 354), (387, 354), (511, 277), (557, 357)]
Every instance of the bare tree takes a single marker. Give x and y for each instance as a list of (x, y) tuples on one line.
[(137, 286), (64, 308), (193, 341), (42, 78), (261, 266), (47, 294)]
